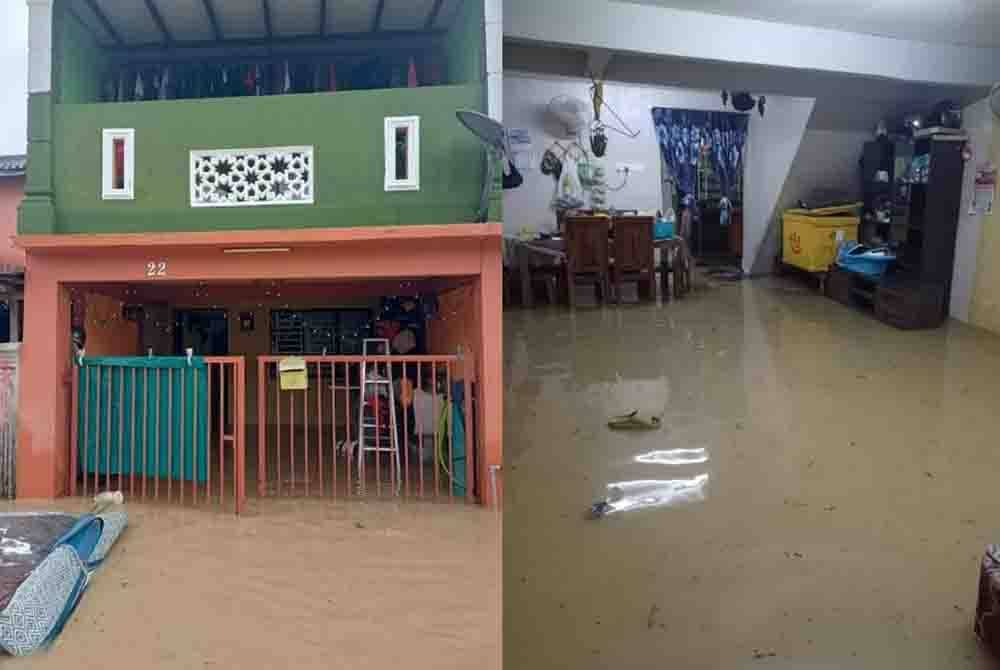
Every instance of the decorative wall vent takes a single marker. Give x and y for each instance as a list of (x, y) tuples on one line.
[(250, 177)]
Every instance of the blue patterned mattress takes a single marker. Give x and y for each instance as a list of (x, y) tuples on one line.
[(46, 560)]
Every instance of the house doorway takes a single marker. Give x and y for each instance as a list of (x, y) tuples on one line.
[(205, 331)]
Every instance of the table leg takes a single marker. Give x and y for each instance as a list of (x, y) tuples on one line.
[(524, 270)]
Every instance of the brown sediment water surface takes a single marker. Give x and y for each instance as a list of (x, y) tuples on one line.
[(819, 495), (292, 584)]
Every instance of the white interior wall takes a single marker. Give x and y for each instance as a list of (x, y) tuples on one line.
[(978, 122), (771, 150), (774, 140), (826, 160), (493, 12)]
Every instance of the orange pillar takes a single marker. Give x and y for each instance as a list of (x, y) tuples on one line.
[(489, 321), (43, 404)]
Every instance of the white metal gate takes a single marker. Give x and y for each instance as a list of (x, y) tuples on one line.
[(9, 357)]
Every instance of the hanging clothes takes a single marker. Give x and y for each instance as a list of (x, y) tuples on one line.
[(139, 93), (165, 84), (333, 78), (569, 191), (411, 75)]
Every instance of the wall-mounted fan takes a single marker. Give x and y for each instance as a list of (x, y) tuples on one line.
[(995, 100)]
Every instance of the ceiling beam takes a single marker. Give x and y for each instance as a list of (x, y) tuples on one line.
[(103, 18), (379, 10), (265, 5), (154, 12), (433, 16), (213, 18), (322, 18)]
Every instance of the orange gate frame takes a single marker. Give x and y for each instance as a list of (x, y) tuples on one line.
[(231, 373), (426, 367)]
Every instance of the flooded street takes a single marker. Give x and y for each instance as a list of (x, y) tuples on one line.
[(293, 584), (819, 495)]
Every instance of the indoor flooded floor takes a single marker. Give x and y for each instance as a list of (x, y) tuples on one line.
[(294, 584), (819, 496)]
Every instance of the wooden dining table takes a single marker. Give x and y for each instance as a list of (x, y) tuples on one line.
[(551, 252)]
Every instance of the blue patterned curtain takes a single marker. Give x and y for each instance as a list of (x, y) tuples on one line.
[(684, 133)]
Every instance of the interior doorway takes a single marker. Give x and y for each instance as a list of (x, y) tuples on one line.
[(206, 331)]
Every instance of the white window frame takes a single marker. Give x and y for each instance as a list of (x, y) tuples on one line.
[(108, 192), (412, 183)]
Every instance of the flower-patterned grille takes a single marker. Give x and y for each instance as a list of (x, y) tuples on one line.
[(248, 177)]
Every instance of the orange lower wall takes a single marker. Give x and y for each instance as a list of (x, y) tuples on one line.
[(108, 334), (453, 329), (11, 192), (54, 263)]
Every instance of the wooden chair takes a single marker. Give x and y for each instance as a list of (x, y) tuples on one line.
[(675, 262), (634, 257), (586, 253)]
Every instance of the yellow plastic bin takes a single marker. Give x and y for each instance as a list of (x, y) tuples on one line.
[(810, 237)]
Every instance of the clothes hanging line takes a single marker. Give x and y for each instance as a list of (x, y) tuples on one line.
[(597, 97)]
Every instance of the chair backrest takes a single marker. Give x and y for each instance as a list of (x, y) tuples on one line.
[(587, 244), (634, 244)]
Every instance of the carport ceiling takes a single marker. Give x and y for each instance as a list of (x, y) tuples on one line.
[(139, 23)]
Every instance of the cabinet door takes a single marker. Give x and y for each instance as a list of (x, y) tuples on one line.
[(944, 199)]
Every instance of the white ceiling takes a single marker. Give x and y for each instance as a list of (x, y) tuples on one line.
[(843, 101), (968, 22), (188, 20)]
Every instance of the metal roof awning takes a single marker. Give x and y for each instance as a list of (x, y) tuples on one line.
[(13, 166), (133, 24)]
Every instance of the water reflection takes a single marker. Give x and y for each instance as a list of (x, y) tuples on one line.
[(643, 493), (674, 457)]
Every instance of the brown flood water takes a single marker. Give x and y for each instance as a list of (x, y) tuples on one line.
[(293, 584), (819, 497)]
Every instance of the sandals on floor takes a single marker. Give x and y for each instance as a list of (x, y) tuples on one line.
[(634, 420)]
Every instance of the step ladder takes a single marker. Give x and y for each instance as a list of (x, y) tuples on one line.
[(377, 413)]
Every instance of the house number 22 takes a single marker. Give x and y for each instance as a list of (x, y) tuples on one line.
[(156, 269)]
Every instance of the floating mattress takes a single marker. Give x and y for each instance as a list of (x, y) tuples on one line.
[(46, 561)]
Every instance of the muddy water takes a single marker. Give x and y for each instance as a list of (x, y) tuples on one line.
[(303, 584), (819, 496)]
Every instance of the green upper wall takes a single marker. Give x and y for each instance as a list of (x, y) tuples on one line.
[(465, 45), (79, 64), (345, 128)]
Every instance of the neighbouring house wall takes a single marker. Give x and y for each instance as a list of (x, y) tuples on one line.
[(985, 305), (11, 192), (346, 129), (978, 122), (773, 142), (826, 160)]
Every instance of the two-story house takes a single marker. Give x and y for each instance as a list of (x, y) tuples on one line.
[(264, 182)]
